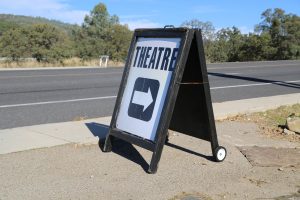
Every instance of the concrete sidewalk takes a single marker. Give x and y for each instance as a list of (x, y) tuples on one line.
[(89, 131), (268, 170)]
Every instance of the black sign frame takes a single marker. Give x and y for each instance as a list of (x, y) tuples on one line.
[(189, 38)]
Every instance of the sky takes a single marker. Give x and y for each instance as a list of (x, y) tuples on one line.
[(155, 13)]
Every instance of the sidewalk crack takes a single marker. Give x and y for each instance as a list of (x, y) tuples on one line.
[(58, 138)]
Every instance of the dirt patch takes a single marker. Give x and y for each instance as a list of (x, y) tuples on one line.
[(257, 182), (271, 122), (79, 118), (272, 157)]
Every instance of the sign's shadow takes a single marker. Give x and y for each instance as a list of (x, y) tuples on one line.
[(127, 150), (120, 147), (210, 158)]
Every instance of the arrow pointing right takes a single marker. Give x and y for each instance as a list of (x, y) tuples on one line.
[(143, 98)]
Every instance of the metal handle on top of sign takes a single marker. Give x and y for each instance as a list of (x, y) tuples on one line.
[(169, 26)]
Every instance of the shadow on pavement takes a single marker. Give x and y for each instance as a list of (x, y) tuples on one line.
[(281, 83), (211, 158), (120, 147), (129, 152), (98, 130)]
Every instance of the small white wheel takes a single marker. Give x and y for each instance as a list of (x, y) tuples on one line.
[(220, 153)]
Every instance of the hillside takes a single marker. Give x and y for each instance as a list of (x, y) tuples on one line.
[(52, 41), (8, 21)]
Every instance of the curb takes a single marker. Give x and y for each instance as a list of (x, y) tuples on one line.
[(90, 131), (225, 109)]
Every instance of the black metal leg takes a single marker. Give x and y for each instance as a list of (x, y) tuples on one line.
[(156, 157), (214, 143), (154, 162), (167, 137), (108, 143)]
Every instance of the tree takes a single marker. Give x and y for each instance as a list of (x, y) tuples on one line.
[(119, 42), (207, 28), (102, 34), (13, 44), (208, 33), (277, 36), (41, 41), (47, 43), (99, 17), (4, 26), (227, 45), (218, 51), (284, 30), (256, 47)]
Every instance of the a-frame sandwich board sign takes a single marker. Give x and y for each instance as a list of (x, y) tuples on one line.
[(164, 86)]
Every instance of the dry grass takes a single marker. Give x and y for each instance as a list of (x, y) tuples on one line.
[(80, 118), (74, 62), (272, 122), (94, 62)]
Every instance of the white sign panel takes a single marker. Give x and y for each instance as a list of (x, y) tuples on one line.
[(151, 69)]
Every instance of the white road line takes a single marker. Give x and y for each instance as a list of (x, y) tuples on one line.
[(257, 84), (232, 73), (55, 102), (226, 74), (113, 97), (253, 66), (56, 75)]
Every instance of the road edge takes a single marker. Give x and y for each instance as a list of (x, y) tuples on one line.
[(91, 130), (224, 110), (55, 68)]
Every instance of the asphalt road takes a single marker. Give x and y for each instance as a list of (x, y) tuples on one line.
[(30, 97)]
